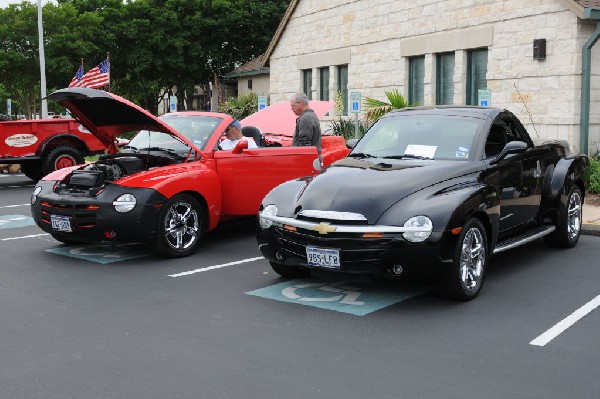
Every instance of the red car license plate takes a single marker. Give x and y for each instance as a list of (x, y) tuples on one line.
[(323, 257), (61, 223)]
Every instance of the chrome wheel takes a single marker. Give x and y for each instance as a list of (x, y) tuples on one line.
[(472, 259), (181, 226), (574, 215)]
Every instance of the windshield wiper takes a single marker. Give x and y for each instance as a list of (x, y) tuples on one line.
[(360, 155), (134, 149), (410, 156)]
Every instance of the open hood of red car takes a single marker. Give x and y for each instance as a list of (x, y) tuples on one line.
[(278, 118), (107, 115)]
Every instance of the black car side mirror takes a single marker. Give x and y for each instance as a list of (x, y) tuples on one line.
[(513, 147), (351, 143)]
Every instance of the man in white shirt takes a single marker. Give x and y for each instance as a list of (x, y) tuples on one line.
[(234, 135)]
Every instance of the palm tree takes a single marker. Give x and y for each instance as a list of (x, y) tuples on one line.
[(375, 109)]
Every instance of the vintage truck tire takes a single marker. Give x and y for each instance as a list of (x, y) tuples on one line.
[(61, 157), (181, 226), (289, 271), (469, 265), (32, 170), (568, 224)]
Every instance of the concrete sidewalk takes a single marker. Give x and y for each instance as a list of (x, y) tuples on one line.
[(591, 220)]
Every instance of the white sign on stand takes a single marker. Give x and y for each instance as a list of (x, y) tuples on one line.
[(262, 102), (172, 103), (484, 97), (8, 107), (355, 102)]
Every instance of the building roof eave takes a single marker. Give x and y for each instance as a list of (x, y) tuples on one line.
[(275, 39)]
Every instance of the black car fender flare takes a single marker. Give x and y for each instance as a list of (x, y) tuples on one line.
[(560, 178), (481, 202)]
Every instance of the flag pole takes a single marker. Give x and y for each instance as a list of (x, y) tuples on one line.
[(108, 58), (44, 110)]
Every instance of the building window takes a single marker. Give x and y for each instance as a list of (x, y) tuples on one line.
[(445, 79), (324, 84), (476, 74), (249, 84), (342, 86), (416, 80), (307, 82)]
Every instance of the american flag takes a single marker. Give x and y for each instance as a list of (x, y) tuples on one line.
[(97, 77), (77, 78)]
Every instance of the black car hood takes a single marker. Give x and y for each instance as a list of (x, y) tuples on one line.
[(107, 115), (370, 188)]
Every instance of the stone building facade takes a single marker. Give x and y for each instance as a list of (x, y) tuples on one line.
[(376, 42)]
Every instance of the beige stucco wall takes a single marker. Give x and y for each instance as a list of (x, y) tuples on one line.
[(260, 84), (375, 37)]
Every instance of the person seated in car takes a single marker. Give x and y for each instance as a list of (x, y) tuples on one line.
[(233, 135)]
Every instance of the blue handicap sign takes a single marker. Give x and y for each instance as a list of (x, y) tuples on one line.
[(484, 103), (262, 106), (354, 106), (9, 221), (102, 253), (354, 297)]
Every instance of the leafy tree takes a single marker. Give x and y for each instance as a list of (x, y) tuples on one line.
[(154, 44)]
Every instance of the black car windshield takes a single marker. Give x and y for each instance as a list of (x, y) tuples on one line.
[(420, 136), (196, 128)]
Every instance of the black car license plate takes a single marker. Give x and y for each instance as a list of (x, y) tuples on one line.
[(323, 257), (61, 223)]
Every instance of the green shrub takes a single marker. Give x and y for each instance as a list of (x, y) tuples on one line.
[(241, 106), (345, 128), (594, 175)]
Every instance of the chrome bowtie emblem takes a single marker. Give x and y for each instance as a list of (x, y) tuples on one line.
[(324, 228)]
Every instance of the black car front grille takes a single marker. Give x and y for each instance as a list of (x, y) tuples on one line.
[(82, 215), (354, 249)]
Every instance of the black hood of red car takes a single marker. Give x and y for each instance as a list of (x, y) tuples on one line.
[(370, 188), (107, 115)]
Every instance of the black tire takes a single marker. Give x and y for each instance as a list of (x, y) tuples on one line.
[(180, 226), (469, 265), (60, 157), (32, 170), (568, 224), (289, 271)]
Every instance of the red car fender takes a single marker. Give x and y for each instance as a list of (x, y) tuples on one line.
[(193, 177)]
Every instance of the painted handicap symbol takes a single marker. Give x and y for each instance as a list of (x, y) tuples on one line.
[(102, 253), (10, 221), (354, 297), (342, 293)]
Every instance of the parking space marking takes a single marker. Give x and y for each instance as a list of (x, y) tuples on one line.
[(102, 253), (19, 238), (204, 269), (567, 322), (358, 298), (14, 206), (10, 221)]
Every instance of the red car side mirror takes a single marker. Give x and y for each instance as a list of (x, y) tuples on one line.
[(240, 146)]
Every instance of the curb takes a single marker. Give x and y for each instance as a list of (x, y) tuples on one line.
[(590, 229)]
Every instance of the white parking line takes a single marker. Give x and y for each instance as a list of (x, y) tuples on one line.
[(566, 322), (19, 238), (14, 206), (204, 269)]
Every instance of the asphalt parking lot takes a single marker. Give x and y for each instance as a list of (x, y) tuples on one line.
[(97, 321)]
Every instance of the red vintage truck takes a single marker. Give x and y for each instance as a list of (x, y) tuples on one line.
[(42, 146)]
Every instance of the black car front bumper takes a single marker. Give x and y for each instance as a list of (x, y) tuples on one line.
[(94, 219)]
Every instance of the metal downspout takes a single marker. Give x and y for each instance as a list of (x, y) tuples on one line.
[(586, 72)]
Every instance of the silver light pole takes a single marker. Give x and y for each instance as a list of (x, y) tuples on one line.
[(44, 113)]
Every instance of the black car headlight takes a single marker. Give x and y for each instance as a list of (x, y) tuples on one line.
[(35, 193), (270, 210), (422, 222), (124, 203)]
